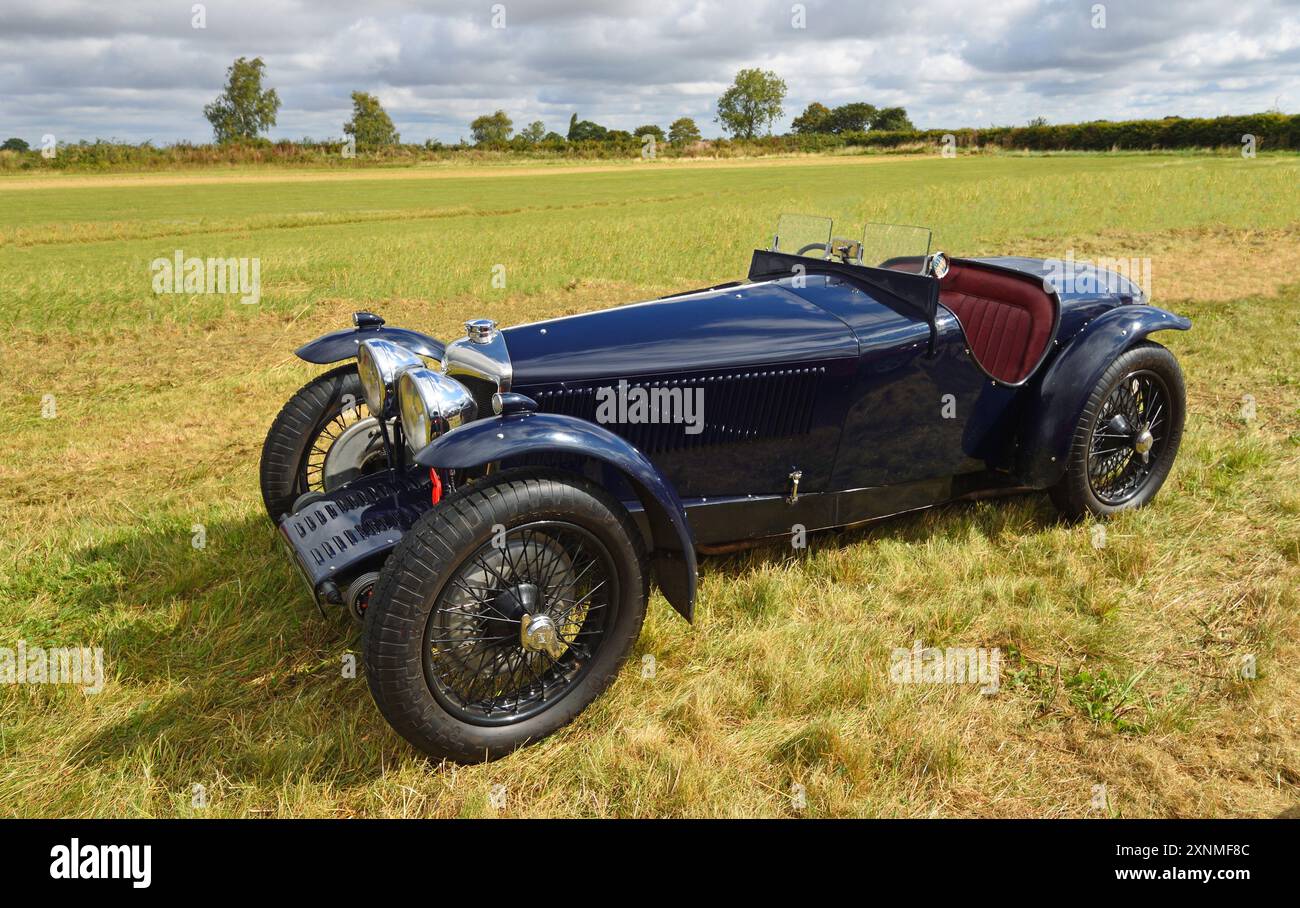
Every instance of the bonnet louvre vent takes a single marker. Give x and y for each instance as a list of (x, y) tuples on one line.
[(736, 407)]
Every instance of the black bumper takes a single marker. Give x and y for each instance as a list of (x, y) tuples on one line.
[(355, 527)]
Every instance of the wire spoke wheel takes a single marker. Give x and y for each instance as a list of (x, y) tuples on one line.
[(1128, 437), (347, 446), (504, 612), (320, 439), (516, 625)]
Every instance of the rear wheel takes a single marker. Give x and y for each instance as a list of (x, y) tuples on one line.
[(322, 438), (503, 613), (1127, 436)]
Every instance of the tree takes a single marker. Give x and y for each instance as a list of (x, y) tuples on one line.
[(892, 119), (370, 126), (814, 118), (15, 144), (1042, 121), (587, 131), (573, 123), (534, 132), (494, 127), (752, 103), (652, 130), (683, 131), (855, 117), (243, 109)]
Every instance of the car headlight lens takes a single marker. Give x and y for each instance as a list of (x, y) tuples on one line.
[(431, 403), (379, 362)]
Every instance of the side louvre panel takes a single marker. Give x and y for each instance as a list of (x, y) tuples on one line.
[(736, 406)]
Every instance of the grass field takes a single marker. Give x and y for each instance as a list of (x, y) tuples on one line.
[(1122, 663)]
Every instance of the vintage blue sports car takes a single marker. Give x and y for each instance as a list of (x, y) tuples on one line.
[(495, 511)]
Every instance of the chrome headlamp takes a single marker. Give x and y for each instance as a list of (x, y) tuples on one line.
[(379, 362), (431, 404)]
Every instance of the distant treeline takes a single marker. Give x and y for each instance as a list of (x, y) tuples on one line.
[(1271, 132)]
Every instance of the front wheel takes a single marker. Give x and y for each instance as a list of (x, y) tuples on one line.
[(322, 438), (503, 613), (1127, 436)]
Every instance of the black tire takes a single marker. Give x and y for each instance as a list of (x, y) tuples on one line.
[(1078, 493), (401, 654), (314, 407)]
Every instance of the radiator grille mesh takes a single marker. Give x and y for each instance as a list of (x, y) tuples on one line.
[(737, 407)]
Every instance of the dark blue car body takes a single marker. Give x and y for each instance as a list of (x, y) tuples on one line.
[(834, 394)]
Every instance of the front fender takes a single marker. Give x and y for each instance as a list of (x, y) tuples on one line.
[(1049, 428), (340, 345), (520, 435)]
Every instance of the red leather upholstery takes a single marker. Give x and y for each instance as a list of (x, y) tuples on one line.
[(1007, 319)]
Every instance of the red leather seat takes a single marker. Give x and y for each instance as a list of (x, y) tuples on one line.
[(1008, 319)]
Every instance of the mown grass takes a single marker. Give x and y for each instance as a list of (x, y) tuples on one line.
[(1122, 662)]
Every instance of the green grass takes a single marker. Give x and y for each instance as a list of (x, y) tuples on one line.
[(1121, 661)]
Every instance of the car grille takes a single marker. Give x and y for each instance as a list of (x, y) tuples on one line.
[(738, 407), (354, 525)]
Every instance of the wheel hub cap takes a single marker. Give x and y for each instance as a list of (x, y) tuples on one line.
[(538, 633), (1143, 442)]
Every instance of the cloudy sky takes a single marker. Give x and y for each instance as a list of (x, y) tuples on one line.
[(140, 69)]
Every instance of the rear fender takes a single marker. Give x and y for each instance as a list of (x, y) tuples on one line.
[(487, 440), (1054, 414)]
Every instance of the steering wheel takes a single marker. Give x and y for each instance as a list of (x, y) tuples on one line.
[(824, 247)]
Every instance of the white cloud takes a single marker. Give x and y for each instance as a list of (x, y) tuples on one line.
[(135, 69)]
